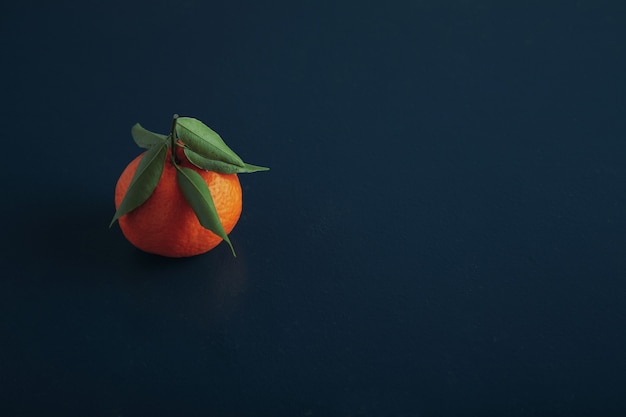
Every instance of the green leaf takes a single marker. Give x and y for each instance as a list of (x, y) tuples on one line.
[(198, 196), (146, 139), (203, 140), (144, 181), (219, 166)]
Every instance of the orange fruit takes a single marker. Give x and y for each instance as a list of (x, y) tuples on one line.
[(165, 224)]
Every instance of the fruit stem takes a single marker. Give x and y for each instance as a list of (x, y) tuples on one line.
[(175, 160)]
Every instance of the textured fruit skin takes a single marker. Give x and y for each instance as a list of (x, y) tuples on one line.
[(165, 224)]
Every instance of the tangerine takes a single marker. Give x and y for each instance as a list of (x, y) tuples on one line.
[(165, 224)]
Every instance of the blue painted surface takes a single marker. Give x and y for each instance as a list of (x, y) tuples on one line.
[(442, 233)]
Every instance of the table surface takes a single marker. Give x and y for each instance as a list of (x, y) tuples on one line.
[(442, 232)]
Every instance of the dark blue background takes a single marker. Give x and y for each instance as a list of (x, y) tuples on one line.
[(442, 233)]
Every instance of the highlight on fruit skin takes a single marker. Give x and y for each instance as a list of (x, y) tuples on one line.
[(180, 197)]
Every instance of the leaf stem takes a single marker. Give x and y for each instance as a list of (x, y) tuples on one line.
[(175, 160)]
